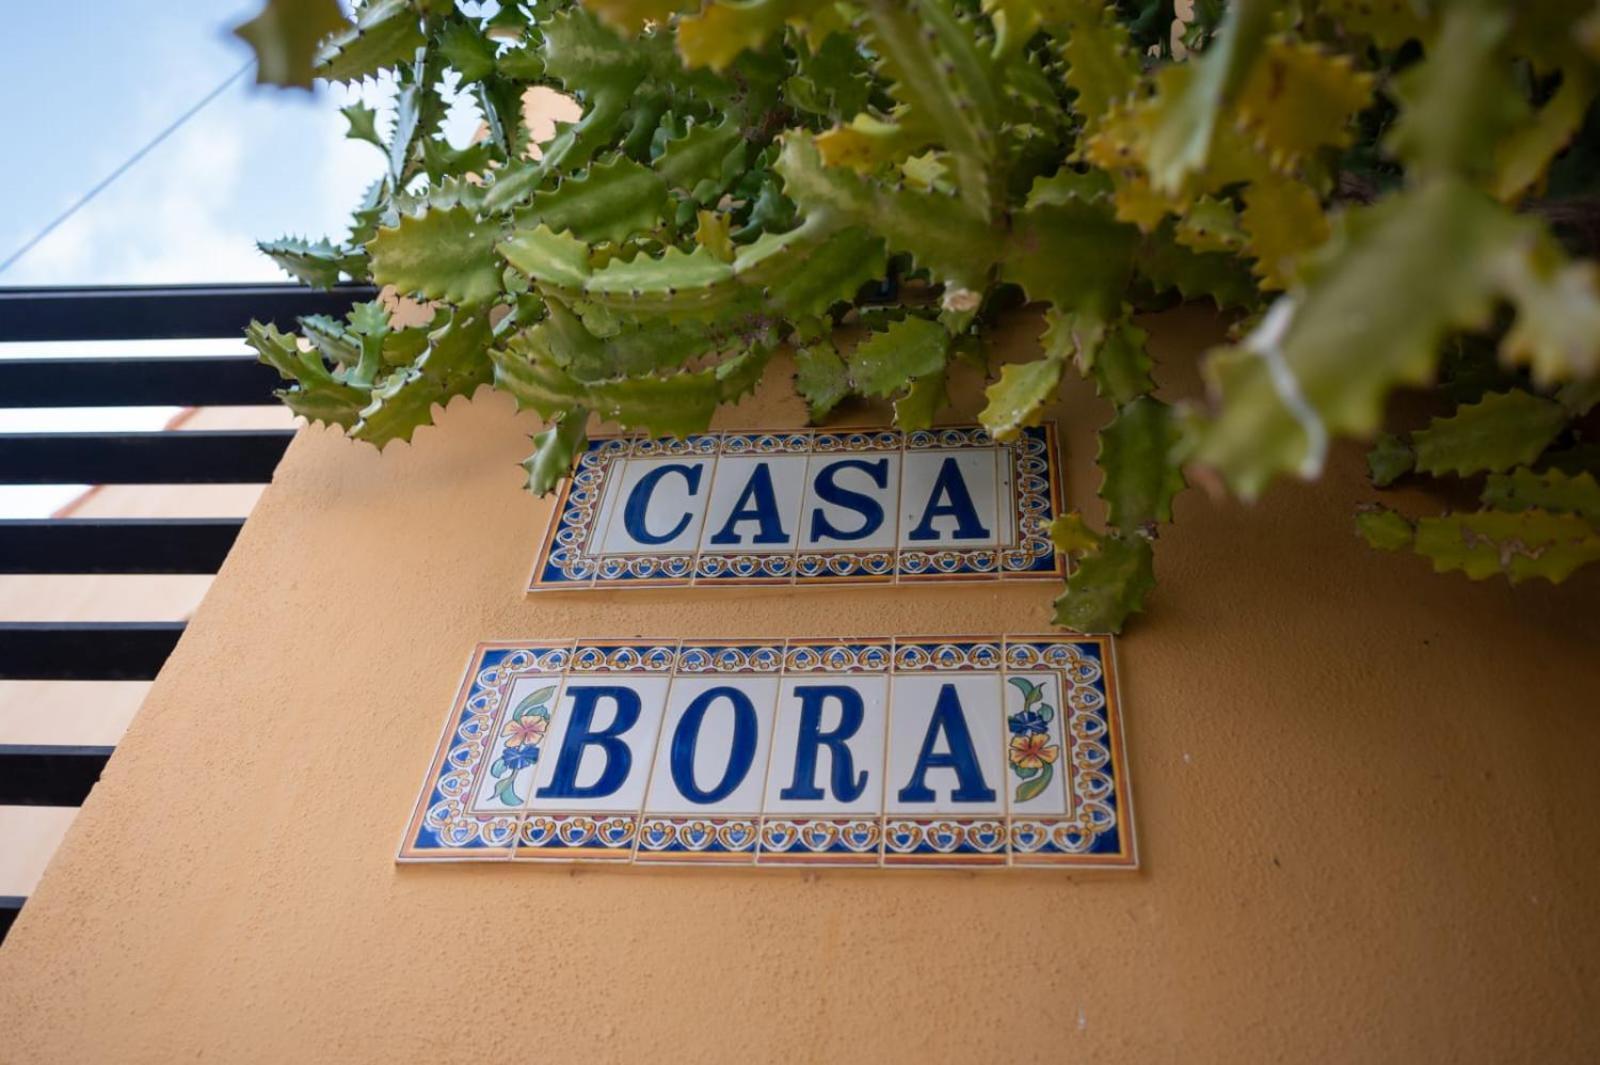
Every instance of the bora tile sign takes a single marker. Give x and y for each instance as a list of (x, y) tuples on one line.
[(873, 752)]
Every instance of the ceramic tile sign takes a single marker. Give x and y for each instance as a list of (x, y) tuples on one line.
[(876, 752), (805, 507)]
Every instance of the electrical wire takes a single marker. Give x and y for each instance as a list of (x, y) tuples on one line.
[(100, 187)]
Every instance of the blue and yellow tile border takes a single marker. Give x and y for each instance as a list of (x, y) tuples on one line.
[(1095, 832), (1032, 476)]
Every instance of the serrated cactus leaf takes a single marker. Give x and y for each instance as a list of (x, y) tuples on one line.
[(1389, 459), (1282, 220), (586, 55), (1384, 529), (947, 80), (1300, 99), (869, 144), (714, 36), (708, 157), (1180, 120), (386, 32), (1018, 397), (1458, 102), (1557, 331), (440, 254), (1102, 64), (1210, 225), (1120, 364), (285, 35), (1074, 256), (1071, 536), (1107, 586), (1502, 430), (455, 364), (317, 395), (631, 16), (814, 270), (954, 246), (634, 349), (650, 283), (1519, 546), (317, 263), (713, 231), (920, 405), (1297, 381), (1523, 158), (556, 259), (1168, 265), (913, 347), (1390, 23), (363, 122), (1139, 465), (554, 451), (820, 377), (674, 404), (611, 201), (1552, 490), (468, 52)]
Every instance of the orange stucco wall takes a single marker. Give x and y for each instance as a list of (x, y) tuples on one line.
[(1367, 801)]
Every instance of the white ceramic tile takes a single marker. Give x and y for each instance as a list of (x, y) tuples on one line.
[(960, 491), (521, 738), (712, 754), (945, 748), (619, 763), (1038, 760), (823, 706), (611, 490), (852, 502), (754, 505), (664, 500), (1005, 497)]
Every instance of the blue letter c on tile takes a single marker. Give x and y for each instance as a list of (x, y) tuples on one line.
[(638, 505), (582, 734), (687, 736)]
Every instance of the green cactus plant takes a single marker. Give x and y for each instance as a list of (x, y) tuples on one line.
[(1382, 195)]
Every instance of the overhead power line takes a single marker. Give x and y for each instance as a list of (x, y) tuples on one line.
[(122, 168)]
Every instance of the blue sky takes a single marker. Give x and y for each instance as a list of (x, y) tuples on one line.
[(85, 85)]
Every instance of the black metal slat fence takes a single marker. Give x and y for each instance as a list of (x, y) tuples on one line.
[(61, 775)]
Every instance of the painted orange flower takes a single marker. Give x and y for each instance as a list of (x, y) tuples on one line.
[(527, 732), (1032, 751)]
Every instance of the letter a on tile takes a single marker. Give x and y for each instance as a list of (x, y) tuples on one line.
[(847, 786), (757, 503), (741, 749), (950, 498), (949, 719), (582, 734)]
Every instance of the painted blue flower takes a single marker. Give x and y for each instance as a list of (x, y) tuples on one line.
[(1028, 723), (519, 757)]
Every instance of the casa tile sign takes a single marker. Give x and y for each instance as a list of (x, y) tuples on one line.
[(905, 752), (805, 507)]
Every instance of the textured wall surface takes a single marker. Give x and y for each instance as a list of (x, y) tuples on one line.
[(1366, 796)]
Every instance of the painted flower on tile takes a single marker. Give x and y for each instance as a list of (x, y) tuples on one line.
[(524, 732), (1028, 722), (528, 732), (1031, 753)]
